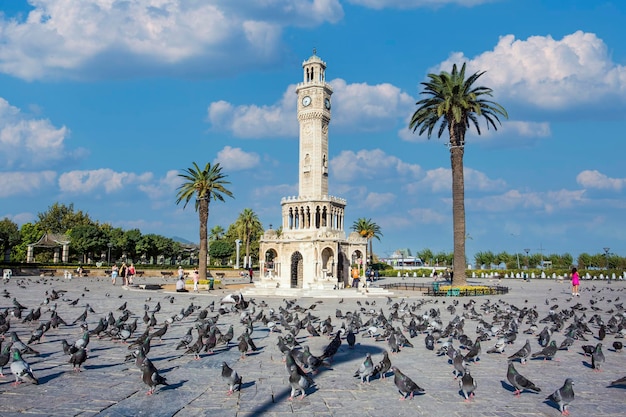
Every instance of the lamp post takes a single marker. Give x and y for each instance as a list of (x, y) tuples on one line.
[(238, 244), (527, 250), (606, 255), (110, 245)]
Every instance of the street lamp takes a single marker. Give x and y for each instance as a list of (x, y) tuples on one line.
[(527, 250), (606, 254), (110, 245), (238, 244)]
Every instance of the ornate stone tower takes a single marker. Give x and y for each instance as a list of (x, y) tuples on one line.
[(310, 249)]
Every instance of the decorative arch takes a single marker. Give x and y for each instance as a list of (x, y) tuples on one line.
[(297, 270)]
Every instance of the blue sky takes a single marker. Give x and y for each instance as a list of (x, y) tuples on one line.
[(104, 102)]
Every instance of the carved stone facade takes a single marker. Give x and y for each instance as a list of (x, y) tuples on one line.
[(311, 250)]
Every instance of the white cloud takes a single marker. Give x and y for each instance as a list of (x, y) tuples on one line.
[(375, 200), (28, 142), (163, 188), (25, 183), (595, 179), (440, 180), (427, 216), (107, 180), (548, 73), (413, 4), (515, 200), (368, 164), (69, 38), (356, 107), (235, 159)]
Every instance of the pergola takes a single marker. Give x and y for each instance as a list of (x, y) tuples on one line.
[(50, 240)]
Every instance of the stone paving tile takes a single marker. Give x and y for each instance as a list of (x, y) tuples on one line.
[(109, 386)]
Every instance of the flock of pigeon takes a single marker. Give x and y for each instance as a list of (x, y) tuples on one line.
[(393, 327)]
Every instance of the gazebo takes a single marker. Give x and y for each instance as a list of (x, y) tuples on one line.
[(51, 240)]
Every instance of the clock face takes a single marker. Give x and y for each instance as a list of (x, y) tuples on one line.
[(327, 103), (306, 100)]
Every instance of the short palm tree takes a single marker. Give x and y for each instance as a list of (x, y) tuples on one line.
[(455, 104), (205, 185), (247, 225), (368, 229)]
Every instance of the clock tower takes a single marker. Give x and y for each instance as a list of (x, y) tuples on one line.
[(310, 251), (314, 116)]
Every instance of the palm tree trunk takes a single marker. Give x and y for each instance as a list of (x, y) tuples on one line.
[(458, 214), (203, 213)]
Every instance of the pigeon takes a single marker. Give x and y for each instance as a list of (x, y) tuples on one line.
[(21, 369), (621, 381), (566, 343), (617, 345), (298, 382), (563, 396), (150, 374), (519, 382), (459, 364), (588, 349), (522, 354), (474, 352), (366, 369), (383, 366), (5, 355), (351, 338), (597, 358), (547, 352), (429, 341), (21, 346), (78, 358), (332, 348), (544, 337), (405, 385), (311, 361), (499, 346), (231, 377), (467, 385)]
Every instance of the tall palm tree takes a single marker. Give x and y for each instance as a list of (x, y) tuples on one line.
[(205, 185), (217, 232), (247, 225), (456, 104), (368, 229)]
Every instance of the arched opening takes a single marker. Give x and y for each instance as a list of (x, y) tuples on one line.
[(328, 263), (269, 266), (297, 270)]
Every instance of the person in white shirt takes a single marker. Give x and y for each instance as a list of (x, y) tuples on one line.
[(180, 285)]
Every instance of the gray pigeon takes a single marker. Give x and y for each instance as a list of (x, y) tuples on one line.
[(78, 358), (621, 381), (547, 352), (150, 375), (231, 377), (597, 358), (499, 346), (405, 385), (544, 337), (566, 343), (459, 364), (383, 366), (519, 382), (563, 396), (467, 385), (522, 354), (299, 382), (21, 369), (366, 369)]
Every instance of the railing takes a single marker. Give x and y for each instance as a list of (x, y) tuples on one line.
[(435, 291)]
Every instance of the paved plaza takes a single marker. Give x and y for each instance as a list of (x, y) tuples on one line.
[(110, 385)]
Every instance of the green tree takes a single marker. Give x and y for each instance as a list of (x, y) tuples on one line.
[(369, 230), (222, 250), (60, 218), (29, 233), (217, 232), (87, 239), (248, 227), (9, 237), (205, 185), (455, 104), (426, 255)]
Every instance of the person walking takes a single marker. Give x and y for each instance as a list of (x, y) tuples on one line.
[(575, 282), (114, 273), (355, 278), (131, 273), (124, 273), (196, 279)]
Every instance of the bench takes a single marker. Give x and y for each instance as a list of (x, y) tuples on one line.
[(49, 272), (167, 273), (220, 275), (85, 273), (453, 292), (107, 272), (139, 273)]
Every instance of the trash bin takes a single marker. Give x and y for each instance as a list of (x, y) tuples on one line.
[(211, 283), (6, 274)]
